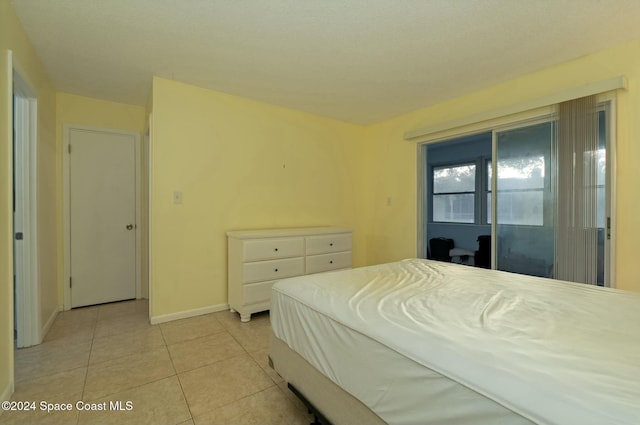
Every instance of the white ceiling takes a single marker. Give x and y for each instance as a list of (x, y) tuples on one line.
[(359, 61)]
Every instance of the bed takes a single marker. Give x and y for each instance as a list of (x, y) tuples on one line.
[(427, 342)]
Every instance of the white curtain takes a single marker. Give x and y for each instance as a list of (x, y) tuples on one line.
[(576, 207)]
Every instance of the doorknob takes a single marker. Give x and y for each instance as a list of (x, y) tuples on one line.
[(129, 226)]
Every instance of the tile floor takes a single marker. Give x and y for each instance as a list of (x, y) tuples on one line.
[(209, 369)]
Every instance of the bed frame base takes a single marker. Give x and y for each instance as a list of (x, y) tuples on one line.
[(318, 417)]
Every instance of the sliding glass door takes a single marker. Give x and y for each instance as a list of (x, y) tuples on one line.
[(541, 189)]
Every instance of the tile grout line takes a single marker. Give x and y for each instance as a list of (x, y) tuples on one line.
[(86, 374), (184, 396), (93, 337), (207, 365), (138, 386)]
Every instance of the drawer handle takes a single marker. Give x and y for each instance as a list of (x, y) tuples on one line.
[(276, 249), (276, 270), (331, 262), (331, 244)]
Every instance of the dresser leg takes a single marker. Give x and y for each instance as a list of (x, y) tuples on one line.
[(245, 317), (232, 310)]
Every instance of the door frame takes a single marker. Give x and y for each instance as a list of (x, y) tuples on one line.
[(610, 100), (25, 125), (66, 229), (148, 170)]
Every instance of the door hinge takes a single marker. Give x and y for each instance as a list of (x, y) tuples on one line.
[(70, 282), (19, 236), (608, 227), (69, 148)]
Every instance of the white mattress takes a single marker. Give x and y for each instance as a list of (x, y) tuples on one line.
[(552, 352)]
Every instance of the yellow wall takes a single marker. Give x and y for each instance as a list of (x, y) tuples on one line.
[(85, 111), (240, 164), (391, 161), (13, 37)]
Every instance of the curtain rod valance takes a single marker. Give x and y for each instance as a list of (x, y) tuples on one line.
[(570, 94)]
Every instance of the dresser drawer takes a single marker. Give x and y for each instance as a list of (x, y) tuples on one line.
[(259, 292), (265, 249), (272, 269), (322, 244), (325, 262)]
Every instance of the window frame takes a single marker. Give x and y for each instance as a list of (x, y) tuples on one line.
[(432, 192), (486, 191), (480, 191)]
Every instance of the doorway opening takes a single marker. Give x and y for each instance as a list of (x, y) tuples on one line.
[(25, 253)]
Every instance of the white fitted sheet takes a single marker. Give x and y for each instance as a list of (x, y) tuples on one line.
[(552, 352)]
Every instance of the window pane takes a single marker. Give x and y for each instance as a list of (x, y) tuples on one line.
[(601, 210), (523, 208), (521, 173), (461, 178), (458, 208), (520, 186), (595, 160), (523, 161)]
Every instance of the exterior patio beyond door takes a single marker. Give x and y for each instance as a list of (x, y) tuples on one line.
[(102, 214)]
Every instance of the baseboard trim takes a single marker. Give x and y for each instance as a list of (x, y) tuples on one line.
[(188, 313), (47, 326)]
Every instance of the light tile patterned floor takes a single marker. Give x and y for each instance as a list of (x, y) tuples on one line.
[(209, 369)]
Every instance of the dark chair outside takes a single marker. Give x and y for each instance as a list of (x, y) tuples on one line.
[(439, 249)]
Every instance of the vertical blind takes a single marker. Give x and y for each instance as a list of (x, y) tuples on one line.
[(576, 221)]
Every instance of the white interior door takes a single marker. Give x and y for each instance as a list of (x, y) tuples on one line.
[(102, 208)]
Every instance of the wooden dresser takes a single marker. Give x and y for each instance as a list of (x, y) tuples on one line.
[(259, 258)]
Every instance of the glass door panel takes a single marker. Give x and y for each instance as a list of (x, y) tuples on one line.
[(525, 241)]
